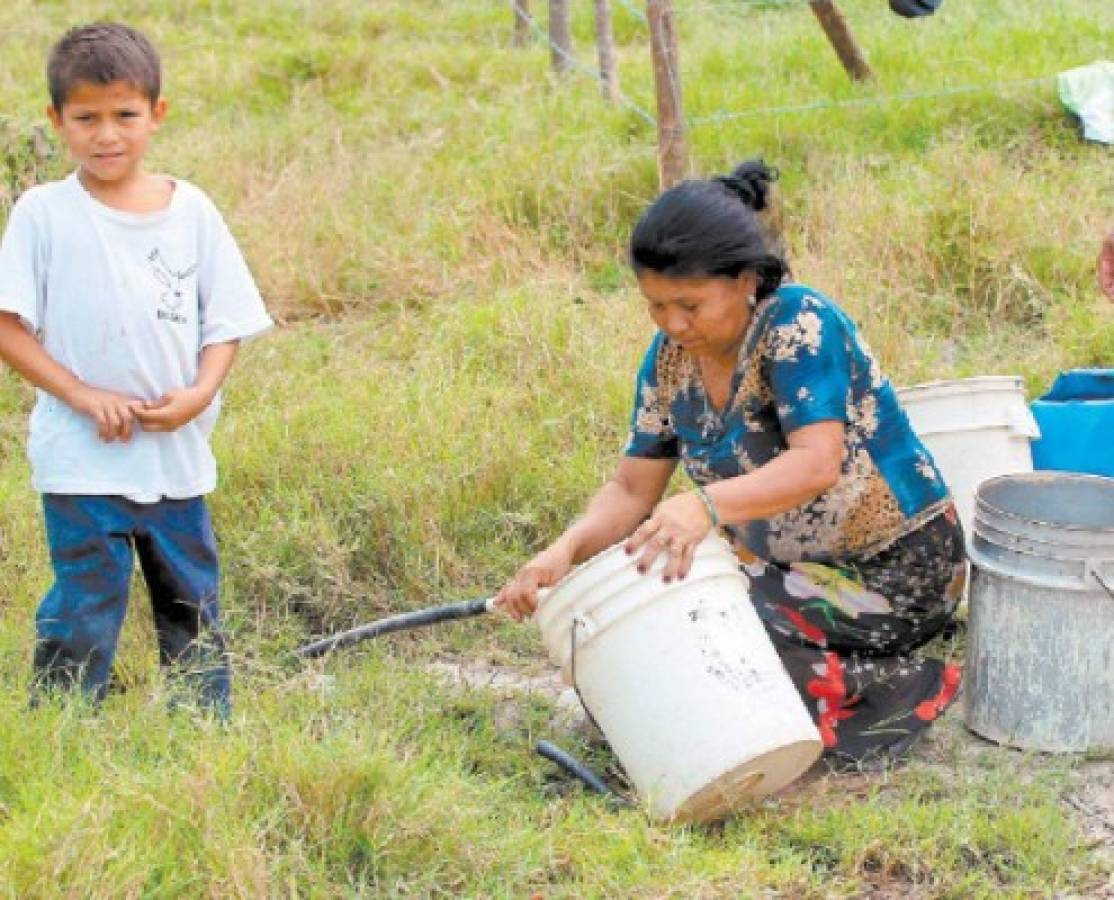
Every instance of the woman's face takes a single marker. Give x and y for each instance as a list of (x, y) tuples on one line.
[(706, 316)]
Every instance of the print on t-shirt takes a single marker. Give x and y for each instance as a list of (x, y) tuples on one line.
[(174, 287)]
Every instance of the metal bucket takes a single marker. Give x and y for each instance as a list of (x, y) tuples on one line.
[(1040, 651)]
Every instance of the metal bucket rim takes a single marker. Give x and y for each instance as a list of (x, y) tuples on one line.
[(982, 503)]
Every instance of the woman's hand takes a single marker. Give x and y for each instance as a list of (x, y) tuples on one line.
[(676, 527), (616, 509), (519, 596)]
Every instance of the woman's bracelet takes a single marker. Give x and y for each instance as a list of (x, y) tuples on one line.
[(708, 505)]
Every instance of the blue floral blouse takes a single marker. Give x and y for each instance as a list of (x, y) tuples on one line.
[(802, 361)]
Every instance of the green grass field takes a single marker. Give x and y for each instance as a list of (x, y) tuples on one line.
[(439, 224)]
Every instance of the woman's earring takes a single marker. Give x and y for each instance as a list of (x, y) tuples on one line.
[(752, 301)]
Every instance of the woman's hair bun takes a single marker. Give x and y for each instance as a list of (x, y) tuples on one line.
[(750, 182)]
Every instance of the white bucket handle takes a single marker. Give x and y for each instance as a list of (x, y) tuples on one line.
[(590, 627)]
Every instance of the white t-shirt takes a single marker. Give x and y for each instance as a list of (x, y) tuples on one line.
[(126, 302)]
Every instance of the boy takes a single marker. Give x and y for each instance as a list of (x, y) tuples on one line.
[(123, 299)]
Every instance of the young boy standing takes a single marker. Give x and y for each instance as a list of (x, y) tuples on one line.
[(123, 299)]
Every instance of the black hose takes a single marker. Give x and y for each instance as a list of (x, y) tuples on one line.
[(401, 622), (575, 767)]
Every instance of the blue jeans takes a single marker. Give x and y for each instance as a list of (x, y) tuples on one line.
[(92, 541)]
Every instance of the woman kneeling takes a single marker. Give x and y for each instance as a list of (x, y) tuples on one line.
[(799, 451)]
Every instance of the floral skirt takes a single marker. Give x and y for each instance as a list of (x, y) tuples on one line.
[(846, 632)]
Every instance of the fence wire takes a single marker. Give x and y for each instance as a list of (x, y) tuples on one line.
[(877, 100)]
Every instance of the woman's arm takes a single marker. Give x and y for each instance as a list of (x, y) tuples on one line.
[(810, 466), (612, 514)]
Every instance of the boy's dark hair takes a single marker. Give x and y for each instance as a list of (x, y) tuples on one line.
[(701, 229), (102, 53)]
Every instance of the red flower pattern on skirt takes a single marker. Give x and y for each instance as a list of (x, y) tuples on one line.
[(928, 710), (810, 631), (831, 692)]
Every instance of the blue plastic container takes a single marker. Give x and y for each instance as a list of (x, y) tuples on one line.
[(1076, 420)]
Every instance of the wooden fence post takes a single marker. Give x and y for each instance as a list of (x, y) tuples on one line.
[(605, 44), (521, 23), (667, 86), (846, 47), (560, 33)]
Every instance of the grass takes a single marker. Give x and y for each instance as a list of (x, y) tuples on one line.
[(439, 223)]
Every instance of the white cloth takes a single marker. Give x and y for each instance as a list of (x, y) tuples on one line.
[(1089, 93), (126, 302)]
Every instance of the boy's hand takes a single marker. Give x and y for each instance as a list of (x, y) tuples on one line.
[(111, 412), (173, 409)]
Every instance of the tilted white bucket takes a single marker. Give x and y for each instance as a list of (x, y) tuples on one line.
[(975, 429), (682, 679)]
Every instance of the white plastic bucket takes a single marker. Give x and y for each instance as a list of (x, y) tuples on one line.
[(682, 679), (975, 429)]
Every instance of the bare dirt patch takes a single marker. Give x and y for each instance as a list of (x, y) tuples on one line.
[(512, 686)]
